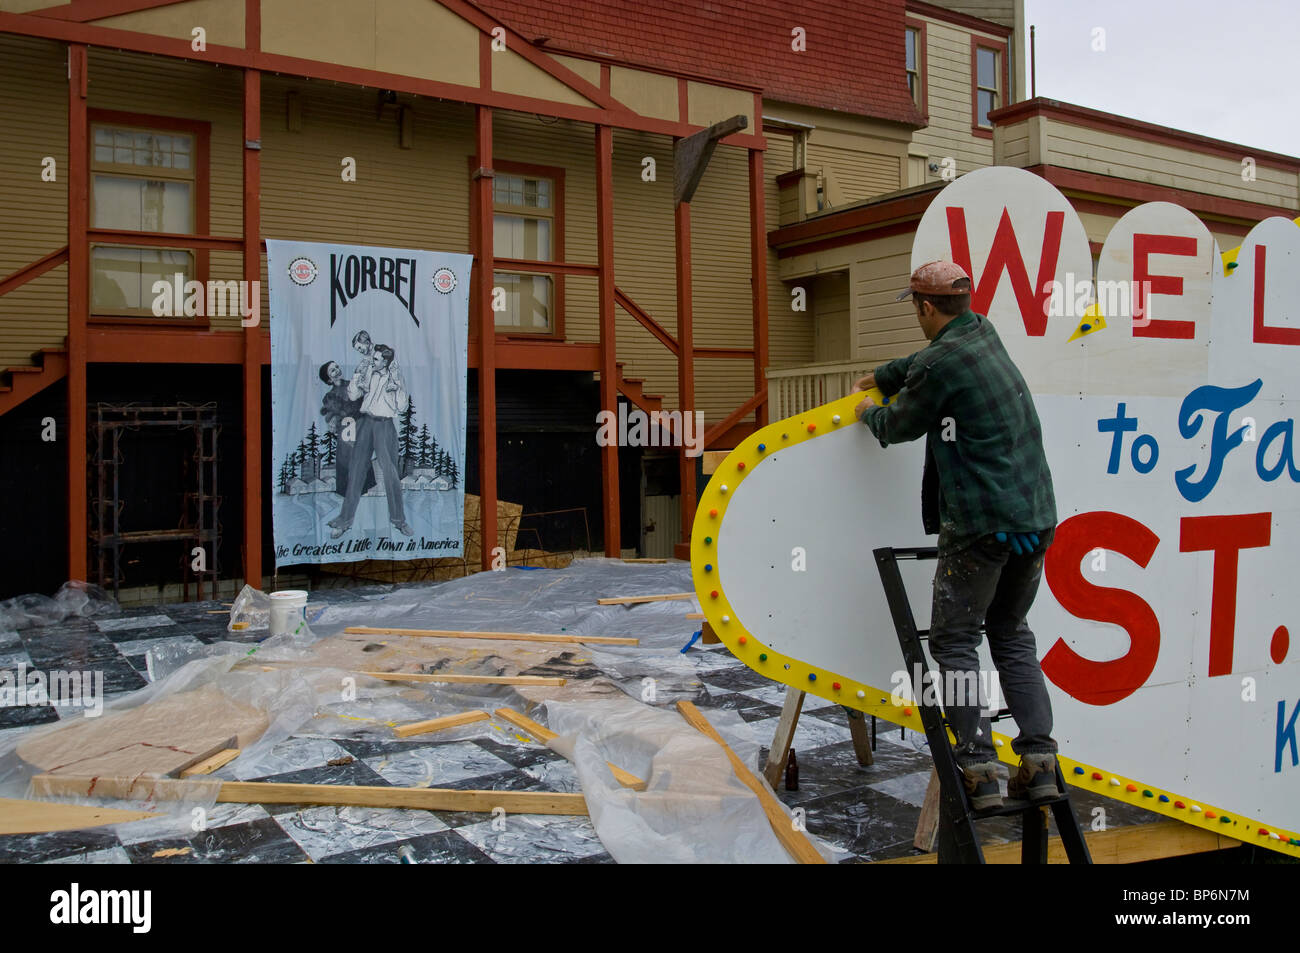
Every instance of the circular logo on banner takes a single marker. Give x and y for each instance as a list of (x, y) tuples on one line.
[(444, 279), (302, 271)]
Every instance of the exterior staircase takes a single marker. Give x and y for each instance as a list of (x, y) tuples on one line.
[(633, 389), (17, 384)]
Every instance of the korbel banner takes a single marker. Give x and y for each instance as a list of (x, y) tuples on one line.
[(368, 359)]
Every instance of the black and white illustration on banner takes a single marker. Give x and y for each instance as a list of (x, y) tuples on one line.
[(368, 365)]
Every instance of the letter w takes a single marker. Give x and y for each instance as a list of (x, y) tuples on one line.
[(1005, 256)]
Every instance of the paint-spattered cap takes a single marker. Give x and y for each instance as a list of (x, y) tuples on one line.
[(937, 278)]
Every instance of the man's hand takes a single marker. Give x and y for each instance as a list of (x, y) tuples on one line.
[(865, 383), (863, 404)]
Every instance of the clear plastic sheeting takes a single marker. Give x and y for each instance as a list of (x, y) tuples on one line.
[(250, 612), (75, 599), (551, 602), (693, 810), (203, 704)]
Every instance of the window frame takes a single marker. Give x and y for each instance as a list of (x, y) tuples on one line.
[(922, 44), (200, 198), (999, 49), (556, 176)]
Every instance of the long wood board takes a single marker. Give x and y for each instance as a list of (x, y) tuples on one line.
[(343, 795), (503, 636), (625, 778), (19, 816), (794, 841)]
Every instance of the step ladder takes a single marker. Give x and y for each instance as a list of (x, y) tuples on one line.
[(957, 841)]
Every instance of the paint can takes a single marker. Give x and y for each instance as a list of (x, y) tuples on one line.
[(288, 611)]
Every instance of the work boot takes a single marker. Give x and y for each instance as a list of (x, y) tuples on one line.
[(1035, 780), (981, 781)]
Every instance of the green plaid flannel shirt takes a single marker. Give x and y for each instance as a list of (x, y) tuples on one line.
[(984, 444)]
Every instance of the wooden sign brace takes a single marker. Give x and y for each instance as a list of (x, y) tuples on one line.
[(691, 156)]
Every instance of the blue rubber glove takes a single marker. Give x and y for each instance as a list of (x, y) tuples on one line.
[(1022, 544)]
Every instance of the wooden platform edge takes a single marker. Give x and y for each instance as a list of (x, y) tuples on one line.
[(1121, 845)]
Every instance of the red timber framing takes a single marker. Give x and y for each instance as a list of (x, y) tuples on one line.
[(487, 338), (608, 350), (685, 362), (117, 341), (78, 308)]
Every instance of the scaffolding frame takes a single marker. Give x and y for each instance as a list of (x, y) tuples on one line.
[(200, 509)]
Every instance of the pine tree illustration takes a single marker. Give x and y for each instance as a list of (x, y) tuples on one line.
[(284, 477), (426, 448), (407, 438), (453, 472), (313, 442), (329, 445)]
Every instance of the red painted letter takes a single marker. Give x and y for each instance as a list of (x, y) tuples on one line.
[(1226, 536), (1101, 683), (1005, 256), (1143, 247), (1267, 334)]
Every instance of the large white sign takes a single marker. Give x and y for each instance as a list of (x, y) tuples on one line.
[(1164, 625), (368, 358)]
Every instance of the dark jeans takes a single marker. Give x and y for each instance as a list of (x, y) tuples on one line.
[(377, 436), (987, 582)]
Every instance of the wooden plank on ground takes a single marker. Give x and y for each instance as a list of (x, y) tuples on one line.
[(214, 763), (645, 559), (545, 734), (466, 679), (794, 841), (438, 724), (861, 736), (634, 600), (18, 816), (927, 825), (779, 752), (695, 616), (1119, 845), (345, 795), (505, 636)]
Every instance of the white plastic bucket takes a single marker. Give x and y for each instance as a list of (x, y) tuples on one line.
[(288, 611)]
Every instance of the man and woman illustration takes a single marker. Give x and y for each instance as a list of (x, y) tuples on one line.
[(375, 395)]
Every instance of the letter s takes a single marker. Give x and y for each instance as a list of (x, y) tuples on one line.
[(1101, 683)]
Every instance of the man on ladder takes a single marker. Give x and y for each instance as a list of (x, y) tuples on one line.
[(987, 492)]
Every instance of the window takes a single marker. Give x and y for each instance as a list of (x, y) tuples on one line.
[(988, 82), (914, 40), (141, 180), (524, 228)]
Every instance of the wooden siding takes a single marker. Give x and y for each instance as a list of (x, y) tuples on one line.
[(884, 328), (948, 75), (858, 173), (1115, 154), (403, 197), (35, 213)]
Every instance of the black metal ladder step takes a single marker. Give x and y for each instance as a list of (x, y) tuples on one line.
[(958, 842)]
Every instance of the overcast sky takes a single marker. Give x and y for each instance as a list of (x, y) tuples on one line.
[(1222, 69)]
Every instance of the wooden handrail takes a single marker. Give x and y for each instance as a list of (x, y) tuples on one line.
[(733, 418), (647, 322), (34, 270)]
